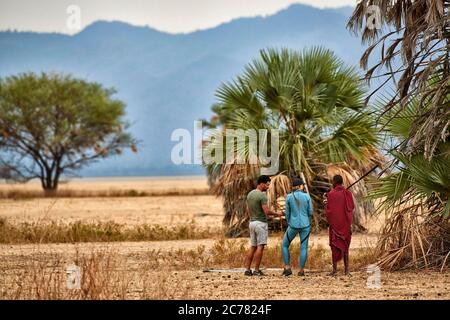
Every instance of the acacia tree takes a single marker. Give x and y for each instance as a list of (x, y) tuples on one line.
[(52, 124)]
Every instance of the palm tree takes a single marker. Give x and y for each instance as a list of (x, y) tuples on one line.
[(414, 42), (415, 195), (317, 104)]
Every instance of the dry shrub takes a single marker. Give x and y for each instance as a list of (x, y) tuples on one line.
[(280, 186), (228, 253), (412, 238)]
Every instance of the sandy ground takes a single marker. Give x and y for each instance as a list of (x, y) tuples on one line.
[(205, 210), (165, 210)]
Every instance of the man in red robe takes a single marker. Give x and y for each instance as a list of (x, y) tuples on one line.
[(339, 210)]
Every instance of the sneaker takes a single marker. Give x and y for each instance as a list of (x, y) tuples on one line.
[(301, 273), (248, 273), (258, 273), (287, 272)]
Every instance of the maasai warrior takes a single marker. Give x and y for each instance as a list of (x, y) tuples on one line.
[(339, 211)]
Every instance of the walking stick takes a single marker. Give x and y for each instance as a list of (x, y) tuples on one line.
[(304, 180), (365, 175)]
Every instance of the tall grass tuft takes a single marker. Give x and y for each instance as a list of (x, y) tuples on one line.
[(57, 232)]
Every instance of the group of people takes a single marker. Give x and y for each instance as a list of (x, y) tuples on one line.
[(339, 206)]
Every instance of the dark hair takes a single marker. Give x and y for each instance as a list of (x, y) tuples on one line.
[(297, 182), (263, 179), (337, 179)]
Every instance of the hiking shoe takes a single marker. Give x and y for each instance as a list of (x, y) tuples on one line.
[(287, 272), (332, 274), (301, 273), (248, 273), (258, 273)]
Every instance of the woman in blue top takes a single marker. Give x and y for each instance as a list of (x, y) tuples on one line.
[(298, 213)]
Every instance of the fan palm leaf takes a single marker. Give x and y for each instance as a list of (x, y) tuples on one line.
[(315, 102)]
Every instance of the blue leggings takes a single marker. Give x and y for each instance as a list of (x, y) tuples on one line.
[(290, 234)]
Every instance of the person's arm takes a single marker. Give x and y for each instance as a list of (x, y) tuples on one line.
[(328, 208), (287, 209), (265, 207), (269, 212), (351, 206), (310, 207)]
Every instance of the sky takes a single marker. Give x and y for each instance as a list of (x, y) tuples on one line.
[(174, 16)]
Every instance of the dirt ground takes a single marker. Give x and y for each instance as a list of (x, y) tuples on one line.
[(167, 210), (317, 285), (194, 283)]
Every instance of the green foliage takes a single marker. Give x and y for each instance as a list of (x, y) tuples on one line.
[(414, 177), (51, 124), (317, 105), (312, 97)]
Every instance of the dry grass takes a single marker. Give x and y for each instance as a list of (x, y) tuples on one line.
[(412, 238), (106, 274), (165, 211), (58, 232), (226, 253)]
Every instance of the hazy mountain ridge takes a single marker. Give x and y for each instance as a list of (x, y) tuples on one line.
[(167, 80)]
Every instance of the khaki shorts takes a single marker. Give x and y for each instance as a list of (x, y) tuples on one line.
[(259, 232)]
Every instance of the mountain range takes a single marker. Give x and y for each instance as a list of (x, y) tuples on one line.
[(169, 80)]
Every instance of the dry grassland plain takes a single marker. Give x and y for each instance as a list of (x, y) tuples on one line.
[(175, 269)]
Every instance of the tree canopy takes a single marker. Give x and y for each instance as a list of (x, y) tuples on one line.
[(52, 124)]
